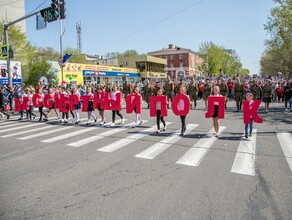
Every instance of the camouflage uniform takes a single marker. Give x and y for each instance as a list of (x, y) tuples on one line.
[(239, 93), (193, 92), (169, 87), (256, 91), (207, 91), (147, 92), (181, 84)]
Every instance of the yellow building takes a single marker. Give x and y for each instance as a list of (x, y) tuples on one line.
[(148, 66)]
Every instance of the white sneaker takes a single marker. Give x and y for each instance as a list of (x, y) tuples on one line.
[(123, 121), (66, 121), (158, 131), (61, 121), (112, 124), (141, 122), (133, 126), (163, 129)]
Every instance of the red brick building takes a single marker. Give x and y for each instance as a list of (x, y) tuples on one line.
[(181, 62)]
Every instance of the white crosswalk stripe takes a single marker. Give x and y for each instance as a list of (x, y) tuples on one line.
[(19, 127), (286, 145), (26, 131), (126, 141), (91, 139), (14, 125), (5, 123), (195, 155), (67, 135), (244, 162), (28, 137), (158, 148)]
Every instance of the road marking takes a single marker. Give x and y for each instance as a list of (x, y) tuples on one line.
[(67, 135), (126, 141), (13, 125), (244, 162), (158, 148), (99, 136), (285, 142), (44, 133), (196, 154), (6, 123), (26, 131), (20, 127)]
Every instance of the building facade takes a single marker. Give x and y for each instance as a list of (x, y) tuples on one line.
[(12, 10), (181, 63), (149, 67)]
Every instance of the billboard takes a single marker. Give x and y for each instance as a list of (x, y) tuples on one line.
[(15, 69)]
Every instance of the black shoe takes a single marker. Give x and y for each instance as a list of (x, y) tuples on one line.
[(246, 136), (8, 116)]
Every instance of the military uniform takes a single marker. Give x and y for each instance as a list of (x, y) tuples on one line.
[(157, 87), (169, 86), (126, 89), (193, 92), (147, 92), (239, 93), (256, 91), (267, 93), (108, 88), (207, 91), (224, 92), (181, 84)]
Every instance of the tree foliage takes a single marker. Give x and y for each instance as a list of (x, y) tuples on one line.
[(127, 53), (278, 55), (37, 70), (217, 60), (23, 50)]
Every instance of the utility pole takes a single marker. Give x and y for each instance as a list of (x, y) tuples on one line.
[(61, 36)]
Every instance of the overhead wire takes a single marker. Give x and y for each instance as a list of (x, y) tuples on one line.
[(153, 24)]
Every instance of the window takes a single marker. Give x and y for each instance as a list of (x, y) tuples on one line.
[(160, 56), (171, 65), (166, 57), (172, 57), (181, 56)]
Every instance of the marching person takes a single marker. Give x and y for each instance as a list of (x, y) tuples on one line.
[(100, 89), (158, 114), (267, 95), (65, 115), (216, 112), (41, 100), (207, 92), (249, 98), (114, 112), (193, 92), (169, 87), (52, 92), (138, 118), (90, 106), (77, 107), (29, 112), (224, 91), (2, 103), (238, 93), (181, 106), (147, 92)]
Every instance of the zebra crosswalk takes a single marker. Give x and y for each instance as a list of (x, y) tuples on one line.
[(244, 162)]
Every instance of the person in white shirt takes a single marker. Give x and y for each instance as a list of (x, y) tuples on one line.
[(181, 106), (215, 114), (158, 114), (114, 112), (90, 108)]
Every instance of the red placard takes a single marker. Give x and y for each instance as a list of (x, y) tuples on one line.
[(36, 100), (251, 111), (48, 101), (221, 106), (162, 100), (134, 101), (187, 105), (73, 100)]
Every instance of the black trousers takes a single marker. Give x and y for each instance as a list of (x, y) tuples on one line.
[(183, 123), (114, 115), (41, 112), (30, 112), (159, 118)]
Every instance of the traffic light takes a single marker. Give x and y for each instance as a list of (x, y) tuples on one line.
[(5, 51), (55, 8), (62, 9)]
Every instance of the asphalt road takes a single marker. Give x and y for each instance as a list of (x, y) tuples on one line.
[(56, 171)]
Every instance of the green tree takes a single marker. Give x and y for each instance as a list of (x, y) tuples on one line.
[(278, 55), (37, 70), (76, 57), (46, 54), (22, 48), (217, 60)]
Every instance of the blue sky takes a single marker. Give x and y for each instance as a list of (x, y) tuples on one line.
[(116, 26)]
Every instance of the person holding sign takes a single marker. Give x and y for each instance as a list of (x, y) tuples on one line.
[(138, 118), (114, 112), (216, 112), (249, 99), (158, 114), (181, 107), (90, 108)]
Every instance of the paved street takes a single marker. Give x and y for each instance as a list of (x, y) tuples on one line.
[(63, 171)]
